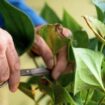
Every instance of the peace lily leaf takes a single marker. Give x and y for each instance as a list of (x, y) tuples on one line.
[(80, 39), (47, 89), (88, 69), (98, 95), (97, 27), (25, 89), (33, 80), (54, 37), (100, 8), (66, 79), (49, 15), (62, 96), (18, 25), (93, 44), (87, 95), (92, 103), (70, 23)]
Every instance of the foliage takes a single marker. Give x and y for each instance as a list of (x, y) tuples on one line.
[(83, 86), (18, 25), (80, 86)]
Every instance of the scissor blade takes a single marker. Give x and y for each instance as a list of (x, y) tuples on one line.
[(34, 72)]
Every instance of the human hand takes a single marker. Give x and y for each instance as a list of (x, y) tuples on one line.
[(61, 64), (9, 61)]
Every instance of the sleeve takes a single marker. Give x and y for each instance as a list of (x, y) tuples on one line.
[(20, 4)]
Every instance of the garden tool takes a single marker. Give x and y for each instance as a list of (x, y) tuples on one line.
[(41, 71)]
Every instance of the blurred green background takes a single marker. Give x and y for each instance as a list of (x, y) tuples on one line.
[(77, 8)]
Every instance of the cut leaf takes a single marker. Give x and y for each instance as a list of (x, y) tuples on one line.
[(97, 27), (88, 69), (49, 15), (18, 25)]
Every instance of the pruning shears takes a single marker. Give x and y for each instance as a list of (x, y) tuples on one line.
[(41, 71)]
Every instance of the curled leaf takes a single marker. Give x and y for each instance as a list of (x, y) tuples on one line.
[(97, 27)]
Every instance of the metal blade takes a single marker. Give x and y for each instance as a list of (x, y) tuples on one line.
[(31, 72), (34, 72)]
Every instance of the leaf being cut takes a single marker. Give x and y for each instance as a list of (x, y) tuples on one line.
[(88, 69), (18, 25), (54, 36), (97, 27)]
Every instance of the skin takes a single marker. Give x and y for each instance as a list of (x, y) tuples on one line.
[(9, 59), (61, 65)]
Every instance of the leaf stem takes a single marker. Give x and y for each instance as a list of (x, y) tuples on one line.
[(86, 97), (101, 100), (102, 47), (35, 62)]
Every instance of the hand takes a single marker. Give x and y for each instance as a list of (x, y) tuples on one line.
[(9, 61), (41, 48)]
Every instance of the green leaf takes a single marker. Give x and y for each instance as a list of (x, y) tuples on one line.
[(66, 79), (53, 36), (93, 44), (97, 27), (62, 96), (88, 69), (92, 103), (98, 95), (100, 8), (34, 80), (18, 25), (49, 15), (69, 22), (80, 39), (47, 89), (25, 88)]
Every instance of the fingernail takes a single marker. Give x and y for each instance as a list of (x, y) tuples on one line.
[(56, 75), (67, 32), (15, 88)]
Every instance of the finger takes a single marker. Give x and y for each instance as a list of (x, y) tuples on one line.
[(43, 50), (70, 67), (4, 68), (66, 32), (13, 61), (61, 63)]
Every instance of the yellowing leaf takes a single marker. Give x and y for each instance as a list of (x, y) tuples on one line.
[(53, 35)]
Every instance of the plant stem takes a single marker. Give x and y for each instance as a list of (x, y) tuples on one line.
[(86, 97), (101, 100), (35, 62), (102, 47)]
